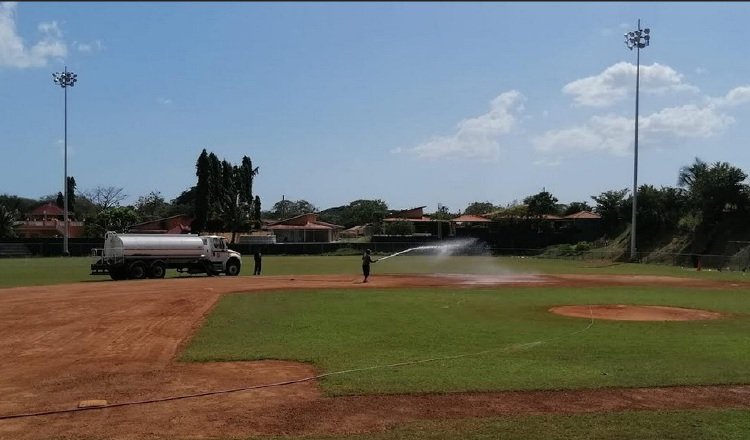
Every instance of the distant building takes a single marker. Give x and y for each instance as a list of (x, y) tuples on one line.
[(423, 225), (305, 228), (176, 224), (48, 221)]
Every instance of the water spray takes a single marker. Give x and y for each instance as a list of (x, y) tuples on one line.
[(443, 248)]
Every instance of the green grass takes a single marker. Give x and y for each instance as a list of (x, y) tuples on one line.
[(57, 270), (636, 425), (349, 329)]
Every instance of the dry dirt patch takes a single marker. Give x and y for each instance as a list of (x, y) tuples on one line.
[(622, 312)]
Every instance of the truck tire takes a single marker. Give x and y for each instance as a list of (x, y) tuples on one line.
[(118, 273), (157, 270), (233, 268), (137, 270)]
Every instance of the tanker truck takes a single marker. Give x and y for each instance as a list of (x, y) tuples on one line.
[(138, 256)]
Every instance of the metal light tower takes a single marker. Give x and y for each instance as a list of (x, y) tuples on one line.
[(64, 80), (637, 39)]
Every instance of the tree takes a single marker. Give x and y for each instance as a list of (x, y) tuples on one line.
[(479, 208), (215, 188), (442, 213), (202, 192), (71, 194), (541, 204), (362, 212), (60, 200), (184, 203), (7, 221), (610, 206), (256, 211), (286, 208), (104, 197), (714, 189), (152, 206), (400, 227), (574, 207), (118, 219)]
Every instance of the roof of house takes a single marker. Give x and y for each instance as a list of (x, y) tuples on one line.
[(303, 221), (48, 209), (468, 218), (584, 215), (411, 214), (159, 220)]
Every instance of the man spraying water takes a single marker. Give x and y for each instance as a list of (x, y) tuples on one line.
[(366, 260)]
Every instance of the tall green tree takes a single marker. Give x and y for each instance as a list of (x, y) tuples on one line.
[(71, 194), (541, 204), (215, 188), (256, 212), (202, 192), (610, 205), (715, 189), (60, 200)]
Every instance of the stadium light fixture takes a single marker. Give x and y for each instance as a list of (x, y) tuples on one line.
[(637, 39), (65, 79)]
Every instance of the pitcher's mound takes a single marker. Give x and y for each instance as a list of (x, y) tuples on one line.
[(620, 312)]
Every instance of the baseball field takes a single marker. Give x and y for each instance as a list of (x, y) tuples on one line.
[(429, 348)]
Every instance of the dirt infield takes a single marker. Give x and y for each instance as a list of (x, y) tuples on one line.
[(623, 312), (117, 341)]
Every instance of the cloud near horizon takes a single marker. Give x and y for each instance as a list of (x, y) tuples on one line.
[(617, 81), (477, 137), (16, 54)]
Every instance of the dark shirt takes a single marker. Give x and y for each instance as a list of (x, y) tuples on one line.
[(366, 260)]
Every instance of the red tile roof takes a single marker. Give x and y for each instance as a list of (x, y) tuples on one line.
[(584, 215), (50, 209), (304, 221), (468, 218)]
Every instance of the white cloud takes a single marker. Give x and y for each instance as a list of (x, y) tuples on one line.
[(50, 29), (686, 121), (89, 47), (615, 82), (15, 53), (615, 134), (164, 101), (701, 70), (736, 96), (475, 137)]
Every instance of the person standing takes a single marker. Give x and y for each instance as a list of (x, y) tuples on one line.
[(258, 262), (366, 260)]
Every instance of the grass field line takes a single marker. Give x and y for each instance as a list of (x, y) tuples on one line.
[(505, 348)]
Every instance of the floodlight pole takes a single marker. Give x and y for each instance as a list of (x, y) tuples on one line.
[(65, 79), (638, 39)]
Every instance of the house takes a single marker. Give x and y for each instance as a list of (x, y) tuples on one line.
[(48, 221), (305, 228), (357, 231), (423, 225), (176, 224)]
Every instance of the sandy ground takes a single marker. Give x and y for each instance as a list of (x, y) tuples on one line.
[(117, 341)]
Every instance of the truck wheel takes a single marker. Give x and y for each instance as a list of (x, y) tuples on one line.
[(137, 270), (118, 273), (233, 268), (157, 270)]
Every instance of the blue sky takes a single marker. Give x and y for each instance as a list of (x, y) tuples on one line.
[(412, 103)]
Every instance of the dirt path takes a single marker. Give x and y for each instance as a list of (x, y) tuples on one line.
[(117, 341)]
